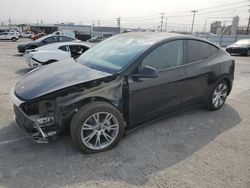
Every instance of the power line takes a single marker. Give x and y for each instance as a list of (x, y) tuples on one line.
[(228, 4), (223, 10)]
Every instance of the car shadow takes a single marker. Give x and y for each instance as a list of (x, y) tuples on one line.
[(140, 154), (18, 55), (23, 71)]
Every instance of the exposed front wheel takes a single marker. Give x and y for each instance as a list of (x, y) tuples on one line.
[(218, 96), (97, 127), (13, 39)]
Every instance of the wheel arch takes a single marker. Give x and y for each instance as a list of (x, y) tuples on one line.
[(228, 80), (83, 102)]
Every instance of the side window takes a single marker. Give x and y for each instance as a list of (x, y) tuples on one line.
[(50, 40), (64, 48), (64, 39), (212, 50), (198, 50), (83, 48), (166, 56)]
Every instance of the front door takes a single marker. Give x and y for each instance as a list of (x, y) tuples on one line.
[(152, 97)]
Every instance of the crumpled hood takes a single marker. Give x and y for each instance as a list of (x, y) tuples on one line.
[(53, 77)]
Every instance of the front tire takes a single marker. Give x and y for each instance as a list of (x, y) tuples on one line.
[(97, 127), (14, 39), (218, 96)]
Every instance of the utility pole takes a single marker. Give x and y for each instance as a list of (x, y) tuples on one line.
[(248, 22), (166, 24), (92, 32), (162, 17), (194, 11), (10, 23), (119, 24)]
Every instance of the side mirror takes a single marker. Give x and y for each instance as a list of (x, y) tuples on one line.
[(147, 72)]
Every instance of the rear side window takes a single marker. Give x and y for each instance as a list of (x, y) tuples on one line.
[(198, 50), (212, 50), (64, 48)]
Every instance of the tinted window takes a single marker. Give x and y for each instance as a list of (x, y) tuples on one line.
[(50, 40), (198, 50), (212, 50), (63, 48), (166, 56), (64, 39)]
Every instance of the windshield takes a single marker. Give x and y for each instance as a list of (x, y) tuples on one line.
[(243, 42), (114, 53)]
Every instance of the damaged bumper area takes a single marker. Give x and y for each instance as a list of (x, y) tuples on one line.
[(38, 128)]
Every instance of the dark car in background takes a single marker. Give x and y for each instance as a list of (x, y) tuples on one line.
[(44, 41), (241, 47), (96, 39), (120, 83)]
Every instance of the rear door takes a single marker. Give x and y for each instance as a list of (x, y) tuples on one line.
[(197, 86), (152, 97)]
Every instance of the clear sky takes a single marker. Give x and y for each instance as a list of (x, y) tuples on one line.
[(132, 12)]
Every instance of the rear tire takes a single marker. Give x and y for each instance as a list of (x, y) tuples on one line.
[(248, 53), (13, 39), (218, 96), (97, 127)]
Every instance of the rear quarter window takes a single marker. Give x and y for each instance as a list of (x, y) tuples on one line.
[(63, 48), (199, 50)]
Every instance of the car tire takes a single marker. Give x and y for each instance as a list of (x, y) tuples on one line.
[(218, 96), (13, 39), (248, 53), (94, 123)]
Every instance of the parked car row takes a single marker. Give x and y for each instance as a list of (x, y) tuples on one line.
[(13, 36), (44, 41), (117, 85), (55, 52)]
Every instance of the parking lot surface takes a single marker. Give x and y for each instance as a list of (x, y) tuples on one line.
[(196, 148)]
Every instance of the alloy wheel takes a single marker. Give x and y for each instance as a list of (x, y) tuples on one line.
[(99, 130), (219, 95)]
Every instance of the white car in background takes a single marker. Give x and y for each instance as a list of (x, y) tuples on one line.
[(27, 34), (13, 36), (55, 52)]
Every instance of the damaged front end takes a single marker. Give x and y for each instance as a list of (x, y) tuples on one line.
[(37, 119), (50, 114)]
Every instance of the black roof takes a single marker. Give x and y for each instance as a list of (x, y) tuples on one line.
[(155, 37)]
